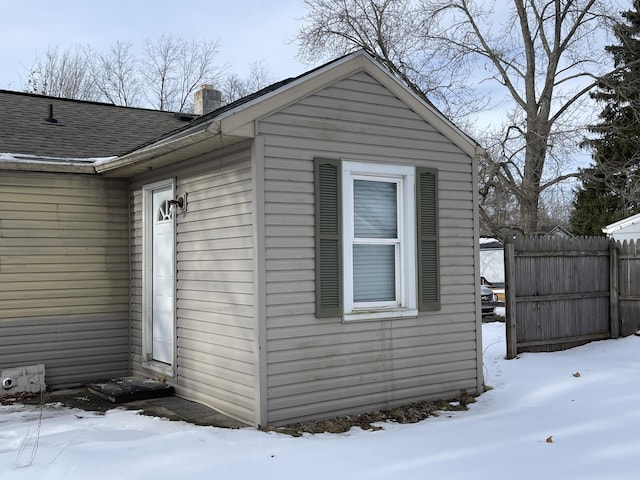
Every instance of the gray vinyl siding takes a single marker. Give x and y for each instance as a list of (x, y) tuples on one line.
[(216, 339), (321, 367), (64, 275)]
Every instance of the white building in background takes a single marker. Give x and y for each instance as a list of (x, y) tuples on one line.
[(625, 229), (492, 261)]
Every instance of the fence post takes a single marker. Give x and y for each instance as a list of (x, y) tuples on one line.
[(510, 297), (614, 310)]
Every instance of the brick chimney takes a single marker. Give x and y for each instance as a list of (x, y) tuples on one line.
[(206, 100)]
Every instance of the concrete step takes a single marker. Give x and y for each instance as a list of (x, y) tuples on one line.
[(129, 389)]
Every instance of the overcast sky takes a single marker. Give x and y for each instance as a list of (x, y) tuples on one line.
[(248, 30)]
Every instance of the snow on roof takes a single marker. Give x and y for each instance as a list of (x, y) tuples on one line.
[(487, 242), (22, 158), (100, 161), (20, 161)]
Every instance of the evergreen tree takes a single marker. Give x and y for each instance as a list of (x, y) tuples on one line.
[(611, 187), (596, 205)]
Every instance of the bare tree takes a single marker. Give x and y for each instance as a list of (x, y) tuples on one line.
[(259, 76), (174, 68), (165, 76), (63, 74), (538, 56), (392, 31), (498, 206), (116, 75), (235, 87), (542, 57)]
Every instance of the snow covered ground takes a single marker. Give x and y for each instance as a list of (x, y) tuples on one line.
[(566, 415)]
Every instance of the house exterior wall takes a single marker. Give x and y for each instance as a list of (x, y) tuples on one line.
[(322, 367), (64, 275), (216, 339), (628, 233)]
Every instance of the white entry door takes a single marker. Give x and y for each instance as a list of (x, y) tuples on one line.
[(160, 273)]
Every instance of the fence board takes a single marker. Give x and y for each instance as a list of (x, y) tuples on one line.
[(564, 292), (629, 288)]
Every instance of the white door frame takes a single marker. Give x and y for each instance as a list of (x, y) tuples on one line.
[(148, 216)]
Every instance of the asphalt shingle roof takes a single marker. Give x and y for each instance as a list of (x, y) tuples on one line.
[(83, 129)]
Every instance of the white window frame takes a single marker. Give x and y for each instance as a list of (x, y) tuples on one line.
[(406, 295)]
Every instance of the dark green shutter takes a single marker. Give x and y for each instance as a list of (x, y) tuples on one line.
[(328, 221), (428, 249)]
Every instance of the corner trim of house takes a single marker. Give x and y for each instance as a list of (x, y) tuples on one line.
[(476, 255), (259, 280), (130, 252)]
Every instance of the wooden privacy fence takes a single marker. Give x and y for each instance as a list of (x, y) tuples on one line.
[(564, 292)]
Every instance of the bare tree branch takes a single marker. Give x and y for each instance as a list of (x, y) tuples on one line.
[(116, 76), (164, 77), (63, 73)]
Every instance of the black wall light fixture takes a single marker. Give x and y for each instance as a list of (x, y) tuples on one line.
[(180, 202)]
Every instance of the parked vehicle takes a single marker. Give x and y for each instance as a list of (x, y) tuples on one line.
[(488, 299)]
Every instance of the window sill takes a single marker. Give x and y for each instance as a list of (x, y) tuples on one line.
[(380, 314)]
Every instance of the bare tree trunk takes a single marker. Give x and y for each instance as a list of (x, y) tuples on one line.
[(542, 55), (531, 186)]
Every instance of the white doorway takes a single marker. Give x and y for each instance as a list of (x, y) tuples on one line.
[(159, 275)]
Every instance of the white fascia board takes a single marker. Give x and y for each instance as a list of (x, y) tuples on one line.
[(240, 121), (429, 113), (260, 107), (39, 163), (246, 114), (625, 222), (151, 151)]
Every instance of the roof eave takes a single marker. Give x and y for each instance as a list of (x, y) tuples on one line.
[(49, 164), (148, 153), (46, 167), (237, 123), (173, 150), (620, 224), (429, 113), (342, 68)]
